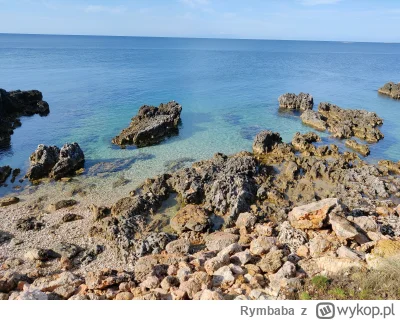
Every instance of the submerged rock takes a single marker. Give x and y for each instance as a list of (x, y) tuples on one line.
[(50, 161), (4, 173), (151, 125), (391, 89), (303, 101)]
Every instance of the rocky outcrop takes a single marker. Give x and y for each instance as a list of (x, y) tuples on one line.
[(266, 141), (391, 89), (303, 101), (4, 173), (50, 161), (362, 149), (151, 125), (314, 119), (16, 104), (347, 123)]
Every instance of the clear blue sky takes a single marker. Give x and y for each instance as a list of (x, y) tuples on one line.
[(347, 20)]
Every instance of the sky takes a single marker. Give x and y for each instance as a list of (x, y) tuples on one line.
[(337, 20)]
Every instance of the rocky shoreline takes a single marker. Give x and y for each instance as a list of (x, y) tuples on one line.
[(297, 220)]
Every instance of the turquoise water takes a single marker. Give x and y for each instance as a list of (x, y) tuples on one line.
[(228, 90)]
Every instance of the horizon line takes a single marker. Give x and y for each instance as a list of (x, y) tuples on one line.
[(186, 37)]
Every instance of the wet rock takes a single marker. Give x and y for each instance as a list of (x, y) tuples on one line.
[(50, 161), (62, 204), (16, 104), (314, 119), (391, 89), (190, 218), (4, 202), (15, 174), (219, 240), (303, 101), (5, 172), (266, 141), (151, 125), (313, 215), (362, 149)]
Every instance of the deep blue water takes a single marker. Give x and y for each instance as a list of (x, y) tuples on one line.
[(228, 90)]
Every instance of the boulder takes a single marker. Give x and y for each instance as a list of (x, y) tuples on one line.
[(266, 141), (262, 245), (219, 240), (5, 172), (313, 215), (343, 228), (151, 125), (302, 101), (50, 161), (190, 218)]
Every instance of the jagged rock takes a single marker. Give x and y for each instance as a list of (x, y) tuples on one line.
[(262, 245), (16, 104), (303, 101), (347, 123), (178, 246), (68, 250), (271, 262), (4, 202), (313, 215), (363, 149), (153, 243), (50, 161), (41, 255), (190, 218), (266, 141), (29, 223), (246, 220), (5, 172), (342, 227), (151, 125), (106, 278), (391, 89), (291, 237), (303, 142), (386, 252), (5, 237), (314, 119)]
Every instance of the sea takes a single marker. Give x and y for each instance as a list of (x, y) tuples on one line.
[(228, 89)]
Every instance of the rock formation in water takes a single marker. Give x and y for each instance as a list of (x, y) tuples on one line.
[(391, 89), (151, 125), (50, 161), (303, 101), (16, 104)]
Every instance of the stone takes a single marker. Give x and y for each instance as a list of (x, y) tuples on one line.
[(5, 237), (70, 217), (219, 240), (5, 172), (190, 218), (71, 160), (223, 276), (262, 245), (241, 258), (271, 262), (313, 215), (342, 227), (291, 237), (246, 220), (106, 278), (29, 294), (386, 252), (99, 213), (62, 204), (210, 295), (178, 246), (5, 202), (124, 296), (151, 125), (67, 250), (215, 263), (40, 255), (345, 252), (318, 246), (330, 265), (266, 141), (302, 101), (170, 282)]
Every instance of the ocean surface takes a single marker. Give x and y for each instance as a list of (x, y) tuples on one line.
[(228, 90)]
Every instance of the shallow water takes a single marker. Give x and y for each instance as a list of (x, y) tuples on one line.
[(228, 90)]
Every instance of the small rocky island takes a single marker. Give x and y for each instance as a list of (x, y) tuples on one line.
[(16, 104), (151, 125), (302, 101), (391, 89)]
